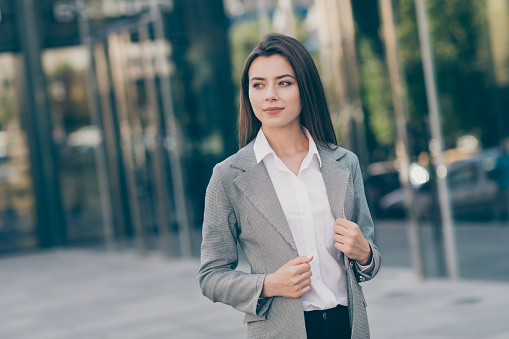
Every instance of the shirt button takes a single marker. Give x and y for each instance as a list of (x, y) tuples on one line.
[(307, 214), (318, 277)]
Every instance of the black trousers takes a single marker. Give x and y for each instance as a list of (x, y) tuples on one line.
[(333, 323)]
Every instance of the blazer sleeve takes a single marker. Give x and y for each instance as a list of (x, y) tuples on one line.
[(362, 217), (219, 257)]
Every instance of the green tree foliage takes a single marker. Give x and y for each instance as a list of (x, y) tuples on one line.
[(377, 97), (462, 67), (374, 79)]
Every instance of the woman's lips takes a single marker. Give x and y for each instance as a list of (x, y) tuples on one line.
[(273, 110)]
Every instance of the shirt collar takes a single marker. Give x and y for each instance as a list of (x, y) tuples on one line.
[(262, 147)]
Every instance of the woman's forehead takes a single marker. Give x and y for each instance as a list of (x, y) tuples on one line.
[(270, 66)]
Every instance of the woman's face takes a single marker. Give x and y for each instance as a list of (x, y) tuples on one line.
[(274, 92)]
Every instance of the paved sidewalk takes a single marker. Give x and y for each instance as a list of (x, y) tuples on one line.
[(82, 294)]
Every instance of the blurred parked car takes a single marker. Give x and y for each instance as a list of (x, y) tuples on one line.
[(478, 189), (382, 179)]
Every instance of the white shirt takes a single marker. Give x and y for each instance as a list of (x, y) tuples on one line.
[(303, 198)]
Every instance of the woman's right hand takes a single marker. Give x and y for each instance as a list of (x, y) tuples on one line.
[(290, 280)]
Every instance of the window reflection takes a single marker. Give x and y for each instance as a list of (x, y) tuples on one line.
[(17, 222), (76, 140)]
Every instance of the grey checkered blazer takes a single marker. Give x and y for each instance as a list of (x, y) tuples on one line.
[(241, 207)]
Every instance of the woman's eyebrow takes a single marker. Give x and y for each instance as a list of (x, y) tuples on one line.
[(284, 76), (257, 78), (277, 78)]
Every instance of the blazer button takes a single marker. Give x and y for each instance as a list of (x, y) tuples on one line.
[(351, 263)]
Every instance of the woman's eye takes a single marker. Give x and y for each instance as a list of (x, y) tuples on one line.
[(258, 85), (285, 83)]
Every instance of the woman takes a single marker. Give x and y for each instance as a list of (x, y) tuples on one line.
[(294, 202)]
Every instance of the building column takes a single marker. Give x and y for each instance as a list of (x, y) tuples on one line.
[(37, 119)]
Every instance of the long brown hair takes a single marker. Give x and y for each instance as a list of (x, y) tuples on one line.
[(314, 116)]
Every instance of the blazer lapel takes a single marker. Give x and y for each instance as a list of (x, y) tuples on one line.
[(256, 185), (335, 177)]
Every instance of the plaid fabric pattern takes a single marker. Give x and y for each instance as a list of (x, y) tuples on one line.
[(242, 208)]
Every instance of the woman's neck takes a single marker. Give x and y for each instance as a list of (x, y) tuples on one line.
[(286, 141)]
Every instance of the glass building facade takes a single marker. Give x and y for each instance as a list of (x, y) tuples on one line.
[(111, 117)]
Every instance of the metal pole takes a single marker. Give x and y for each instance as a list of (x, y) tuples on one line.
[(402, 145), (436, 144), (163, 209), (172, 138), (116, 45), (100, 157), (112, 147), (436, 219)]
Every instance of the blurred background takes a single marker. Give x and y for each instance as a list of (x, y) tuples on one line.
[(114, 112)]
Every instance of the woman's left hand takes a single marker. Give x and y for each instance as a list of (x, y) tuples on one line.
[(350, 241)]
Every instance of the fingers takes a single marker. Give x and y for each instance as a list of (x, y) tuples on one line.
[(299, 269), (295, 281), (347, 249), (291, 280), (302, 270), (304, 284), (347, 231), (345, 223), (303, 291), (341, 247), (342, 239), (344, 244), (306, 276), (299, 261), (338, 229), (298, 280), (355, 253), (302, 287)]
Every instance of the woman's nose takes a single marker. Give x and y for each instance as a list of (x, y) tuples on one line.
[(271, 93)]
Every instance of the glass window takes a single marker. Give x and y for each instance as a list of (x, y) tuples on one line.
[(17, 212), (76, 140), (463, 176)]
